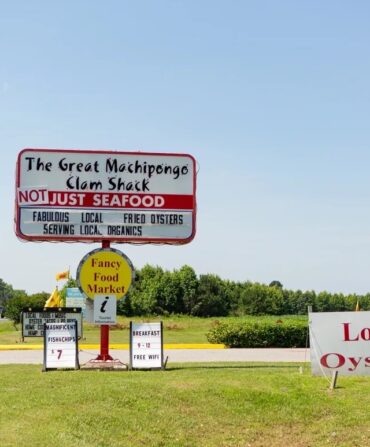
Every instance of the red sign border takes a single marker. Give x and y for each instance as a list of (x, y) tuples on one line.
[(89, 239)]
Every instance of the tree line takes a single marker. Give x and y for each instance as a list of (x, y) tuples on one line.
[(162, 292), (156, 291)]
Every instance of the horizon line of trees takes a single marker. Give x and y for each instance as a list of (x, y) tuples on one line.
[(156, 291)]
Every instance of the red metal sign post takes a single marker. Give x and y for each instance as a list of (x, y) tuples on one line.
[(104, 331), (105, 275)]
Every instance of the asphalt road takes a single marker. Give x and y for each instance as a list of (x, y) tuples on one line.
[(175, 355)]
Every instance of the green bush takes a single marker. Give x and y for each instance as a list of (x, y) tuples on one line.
[(278, 334), (16, 304)]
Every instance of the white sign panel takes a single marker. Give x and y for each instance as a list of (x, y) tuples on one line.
[(65, 195), (33, 320), (74, 298), (89, 311), (146, 345), (340, 341), (60, 346), (105, 309)]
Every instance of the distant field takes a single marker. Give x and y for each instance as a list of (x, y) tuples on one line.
[(177, 329), (223, 405)]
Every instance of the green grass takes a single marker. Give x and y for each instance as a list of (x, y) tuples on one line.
[(188, 405), (177, 329)]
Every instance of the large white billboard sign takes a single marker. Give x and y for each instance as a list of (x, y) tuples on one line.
[(75, 195), (340, 341)]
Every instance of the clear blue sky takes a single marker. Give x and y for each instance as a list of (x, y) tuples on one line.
[(272, 98)]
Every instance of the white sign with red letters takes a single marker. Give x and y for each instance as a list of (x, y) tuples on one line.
[(340, 341), (76, 195)]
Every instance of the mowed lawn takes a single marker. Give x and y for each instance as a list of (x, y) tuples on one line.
[(186, 405)]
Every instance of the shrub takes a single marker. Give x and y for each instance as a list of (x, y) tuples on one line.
[(16, 304), (279, 334)]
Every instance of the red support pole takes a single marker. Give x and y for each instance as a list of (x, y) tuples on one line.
[(104, 343), (104, 330)]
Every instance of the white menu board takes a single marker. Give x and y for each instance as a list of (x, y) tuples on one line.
[(60, 346), (146, 345)]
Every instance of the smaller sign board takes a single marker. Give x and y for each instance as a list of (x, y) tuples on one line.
[(146, 345), (60, 346), (105, 309), (339, 341), (33, 320), (74, 297), (89, 311)]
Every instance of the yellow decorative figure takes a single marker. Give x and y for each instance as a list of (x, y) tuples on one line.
[(54, 299)]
